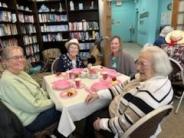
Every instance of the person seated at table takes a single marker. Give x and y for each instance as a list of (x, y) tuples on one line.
[(160, 40), (135, 99), (120, 60), (71, 59), (23, 95), (175, 50)]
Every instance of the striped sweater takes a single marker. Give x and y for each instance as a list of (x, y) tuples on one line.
[(133, 101)]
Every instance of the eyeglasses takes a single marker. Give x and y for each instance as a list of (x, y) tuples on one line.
[(143, 63), (17, 57)]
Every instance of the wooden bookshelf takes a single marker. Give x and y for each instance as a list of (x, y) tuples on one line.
[(40, 25)]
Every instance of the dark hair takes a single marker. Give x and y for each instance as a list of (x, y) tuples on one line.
[(120, 41)]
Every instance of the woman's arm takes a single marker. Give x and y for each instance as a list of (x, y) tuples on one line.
[(21, 97)]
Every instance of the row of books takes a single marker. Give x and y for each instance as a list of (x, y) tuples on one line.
[(9, 42), (28, 29), (85, 35), (84, 55), (86, 46), (35, 58), (52, 18), (54, 28), (83, 25), (8, 29), (7, 16), (31, 50), (25, 18), (29, 39), (52, 37)]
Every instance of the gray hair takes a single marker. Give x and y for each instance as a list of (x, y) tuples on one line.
[(166, 30), (160, 60), (7, 51)]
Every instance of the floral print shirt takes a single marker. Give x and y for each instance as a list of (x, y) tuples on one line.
[(65, 63), (176, 52)]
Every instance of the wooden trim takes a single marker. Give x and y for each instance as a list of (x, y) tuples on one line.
[(175, 13), (106, 29)]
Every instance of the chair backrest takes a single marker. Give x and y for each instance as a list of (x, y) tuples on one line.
[(50, 54), (177, 68), (10, 125), (48, 57), (146, 126), (54, 65)]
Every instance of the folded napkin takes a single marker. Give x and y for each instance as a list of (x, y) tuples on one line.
[(100, 85), (61, 84)]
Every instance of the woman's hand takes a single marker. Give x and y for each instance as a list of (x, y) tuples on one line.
[(91, 98), (96, 124)]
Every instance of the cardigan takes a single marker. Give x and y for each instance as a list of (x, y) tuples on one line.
[(127, 107), (125, 63), (23, 96), (65, 63)]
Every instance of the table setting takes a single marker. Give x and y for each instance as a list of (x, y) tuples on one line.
[(69, 89)]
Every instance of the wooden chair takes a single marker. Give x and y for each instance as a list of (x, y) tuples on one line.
[(177, 69), (146, 126)]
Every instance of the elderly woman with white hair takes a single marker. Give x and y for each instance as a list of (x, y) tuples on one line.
[(131, 101), (71, 59)]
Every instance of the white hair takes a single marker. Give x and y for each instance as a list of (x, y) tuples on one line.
[(166, 30), (160, 60)]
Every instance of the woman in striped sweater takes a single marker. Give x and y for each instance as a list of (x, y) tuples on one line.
[(134, 100)]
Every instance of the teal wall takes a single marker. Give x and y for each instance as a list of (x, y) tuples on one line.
[(143, 15), (147, 25), (123, 17)]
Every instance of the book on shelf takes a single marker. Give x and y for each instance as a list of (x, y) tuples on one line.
[(87, 46), (52, 37), (7, 16), (52, 18), (31, 50), (85, 35), (54, 28), (28, 29), (83, 25), (9, 42), (8, 29), (25, 18), (29, 39)]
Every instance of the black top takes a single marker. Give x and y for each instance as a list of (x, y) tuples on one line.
[(65, 63)]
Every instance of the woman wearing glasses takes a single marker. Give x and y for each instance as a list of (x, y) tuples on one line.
[(23, 95), (130, 102)]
